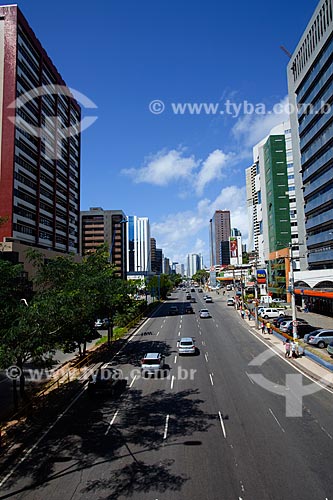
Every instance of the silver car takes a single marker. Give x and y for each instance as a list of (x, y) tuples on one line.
[(204, 313), (320, 338), (152, 363), (186, 345)]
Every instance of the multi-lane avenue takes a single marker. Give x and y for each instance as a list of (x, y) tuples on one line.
[(204, 430)]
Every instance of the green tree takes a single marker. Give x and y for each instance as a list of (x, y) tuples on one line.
[(201, 276)]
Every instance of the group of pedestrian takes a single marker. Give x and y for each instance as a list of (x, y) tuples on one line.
[(291, 349), (266, 327)]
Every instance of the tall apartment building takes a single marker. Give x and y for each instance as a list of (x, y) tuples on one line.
[(253, 201), (310, 85), (159, 261), (153, 254), (138, 246), (193, 264), (100, 226), (39, 147), (219, 231)]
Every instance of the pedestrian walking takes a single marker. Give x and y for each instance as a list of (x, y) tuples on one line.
[(287, 348), (268, 327), (263, 326), (293, 349), (242, 314)]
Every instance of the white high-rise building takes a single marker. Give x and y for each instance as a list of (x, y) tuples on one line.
[(138, 246), (193, 264)]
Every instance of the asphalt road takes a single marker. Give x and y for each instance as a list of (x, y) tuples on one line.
[(205, 430)]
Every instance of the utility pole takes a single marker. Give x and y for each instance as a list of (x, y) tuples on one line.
[(256, 292), (292, 292)]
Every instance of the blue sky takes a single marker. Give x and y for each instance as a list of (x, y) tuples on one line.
[(175, 169)]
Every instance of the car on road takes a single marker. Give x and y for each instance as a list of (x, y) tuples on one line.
[(229, 288), (106, 379), (268, 313), (152, 363), (230, 302), (200, 290), (204, 313), (192, 289), (186, 345), (205, 296), (320, 338), (189, 310), (284, 325), (188, 297), (173, 310), (209, 299), (192, 299), (102, 323)]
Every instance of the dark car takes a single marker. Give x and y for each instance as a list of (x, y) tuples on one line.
[(106, 379), (302, 329), (189, 310), (173, 310)]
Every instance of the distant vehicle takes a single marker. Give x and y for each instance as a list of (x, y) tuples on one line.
[(320, 338), (276, 321), (200, 290), (209, 299), (230, 302), (186, 345), (284, 325), (204, 313), (188, 297), (102, 323), (205, 297), (173, 310), (152, 363), (189, 310), (302, 329), (192, 289), (229, 288), (192, 299), (278, 301), (108, 379), (268, 313)]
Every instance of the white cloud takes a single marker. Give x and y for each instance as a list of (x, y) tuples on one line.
[(252, 128), (183, 232), (163, 168), (211, 169)]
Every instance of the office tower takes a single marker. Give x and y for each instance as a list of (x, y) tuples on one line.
[(153, 254), (159, 261), (180, 269), (225, 253), (166, 265), (311, 95), (40, 144), (235, 232), (219, 231), (100, 226), (193, 264), (138, 245)]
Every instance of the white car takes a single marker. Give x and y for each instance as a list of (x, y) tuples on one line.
[(268, 313), (204, 313), (278, 301), (152, 363), (209, 299), (186, 345)]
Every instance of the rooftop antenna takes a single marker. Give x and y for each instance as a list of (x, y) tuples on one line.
[(286, 51)]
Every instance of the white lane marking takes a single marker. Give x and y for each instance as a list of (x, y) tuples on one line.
[(250, 379), (206, 356), (133, 380), (162, 326), (271, 412), (222, 425), (175, 361), (112, 420), (180, 326), (211, 378), (200, 332), (178, 334), (166, 427), (323, 380), (157, 333), (164, 320), (172, 381), (30, 450), (217, 325), (327, 433), (203, 342)]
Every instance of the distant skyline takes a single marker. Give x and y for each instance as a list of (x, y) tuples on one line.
[(176, 169)]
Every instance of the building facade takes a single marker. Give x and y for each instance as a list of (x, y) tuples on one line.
[(193, 264), (220, 230), (40, 143), (98, 227), (310, 86), (138, 246)]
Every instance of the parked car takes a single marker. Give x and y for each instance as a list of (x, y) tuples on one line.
[(278, 301), (230, 302), (209, 299), (186, 345), (302, 329), (320, 337), (152, 363), (276, 321), (106, 379), (267, 313), (204, 313), (173, 310), (102, 323), (189, 310), (330, 349), (284, 325)]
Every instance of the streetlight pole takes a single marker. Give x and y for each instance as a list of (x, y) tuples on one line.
[(292, 292)]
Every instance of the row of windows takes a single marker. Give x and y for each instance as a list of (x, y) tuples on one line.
[(316, 32), (25, 180)]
